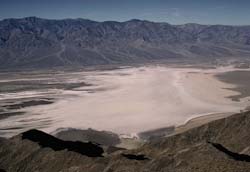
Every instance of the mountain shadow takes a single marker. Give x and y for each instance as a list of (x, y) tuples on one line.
[(45, 140), (233, 155), (135, 157)]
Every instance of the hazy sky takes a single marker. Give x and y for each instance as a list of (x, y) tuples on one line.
[(236, 12)]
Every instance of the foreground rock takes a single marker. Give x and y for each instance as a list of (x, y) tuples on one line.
[(222, 145)]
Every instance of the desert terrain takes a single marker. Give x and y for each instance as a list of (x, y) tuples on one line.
[(126, 101)]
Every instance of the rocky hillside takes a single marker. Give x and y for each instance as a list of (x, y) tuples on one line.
[(40, 43), (222, 145)]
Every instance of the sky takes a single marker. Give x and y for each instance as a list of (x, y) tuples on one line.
[(232, 12)]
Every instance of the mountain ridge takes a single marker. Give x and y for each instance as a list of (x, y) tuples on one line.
[(220, 145), (129, 20), (43, 43)]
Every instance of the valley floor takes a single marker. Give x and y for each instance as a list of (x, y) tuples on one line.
[(126, 101)]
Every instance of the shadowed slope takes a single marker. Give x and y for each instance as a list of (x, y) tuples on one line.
[(235, 156), (45, 140), (135, 157)]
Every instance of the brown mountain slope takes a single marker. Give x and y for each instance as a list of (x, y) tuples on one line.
[(222, 145)]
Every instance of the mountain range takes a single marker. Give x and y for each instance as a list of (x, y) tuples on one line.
[(43, 43)]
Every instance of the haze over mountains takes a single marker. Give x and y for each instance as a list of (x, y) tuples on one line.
[(40, 43)]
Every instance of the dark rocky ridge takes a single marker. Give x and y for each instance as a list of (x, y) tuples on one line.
[(45, 140), (235, 156), (221, 145), (40, 43)]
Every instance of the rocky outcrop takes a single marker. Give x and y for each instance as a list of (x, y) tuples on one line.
[(221, 145)]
